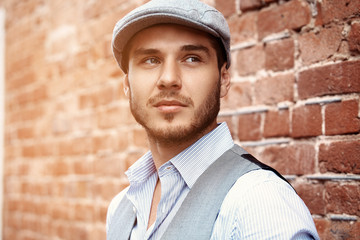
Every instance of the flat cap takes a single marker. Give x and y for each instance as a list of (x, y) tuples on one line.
[(190, 13)]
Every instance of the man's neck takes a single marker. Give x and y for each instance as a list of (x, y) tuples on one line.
[(163, 152)]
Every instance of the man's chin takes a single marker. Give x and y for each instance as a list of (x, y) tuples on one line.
[(171, 134)]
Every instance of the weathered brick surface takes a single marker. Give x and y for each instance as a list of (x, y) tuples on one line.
[(240, 95), (250, 4), (301, 156), (275, 89), (227, 8), (330, 79), (342, 118), (250, 60), (354, 37), (277, 123), (306, 121), (340, 157), (337, 229), (291, 15), (69, 135), (317, 46), (343, 199), (249, 127), (332, 10), (243, 29), (313, 194), (280, 55)]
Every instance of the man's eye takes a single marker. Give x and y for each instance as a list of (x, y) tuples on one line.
[(152, 61), (192, 59)]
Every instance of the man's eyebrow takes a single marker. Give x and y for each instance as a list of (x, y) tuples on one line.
[(195, 48), (145, 51)]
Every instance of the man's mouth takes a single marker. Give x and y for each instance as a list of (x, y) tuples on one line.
[(169, 106)]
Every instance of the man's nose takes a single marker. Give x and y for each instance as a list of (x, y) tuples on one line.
[(169, 76)]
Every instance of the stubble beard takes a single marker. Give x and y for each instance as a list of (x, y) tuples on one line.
[(203, 117)]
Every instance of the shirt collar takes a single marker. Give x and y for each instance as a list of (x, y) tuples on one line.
[(192, 161), (142, 169)]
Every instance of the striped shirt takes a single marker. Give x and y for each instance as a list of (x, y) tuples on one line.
[(259, 206)]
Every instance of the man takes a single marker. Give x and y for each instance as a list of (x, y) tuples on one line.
[(194, 183)]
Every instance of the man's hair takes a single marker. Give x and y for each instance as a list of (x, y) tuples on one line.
[(215, 43)]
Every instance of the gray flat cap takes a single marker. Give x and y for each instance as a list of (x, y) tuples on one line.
[(190, 13)]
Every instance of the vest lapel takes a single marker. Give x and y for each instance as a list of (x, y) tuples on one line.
[(198, 212)]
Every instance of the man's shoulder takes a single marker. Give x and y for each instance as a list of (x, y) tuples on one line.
[(260, 198), (256, 180), (115, 203)]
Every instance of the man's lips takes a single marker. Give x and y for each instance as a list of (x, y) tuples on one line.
[(169, 105)]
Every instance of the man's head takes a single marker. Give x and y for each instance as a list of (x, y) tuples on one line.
[(176, 71), (190, 13)]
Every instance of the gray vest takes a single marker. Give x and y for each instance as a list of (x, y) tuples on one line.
[(198, 212)]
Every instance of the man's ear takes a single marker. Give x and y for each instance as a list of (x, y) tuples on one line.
[(126, 85), (225, 80)]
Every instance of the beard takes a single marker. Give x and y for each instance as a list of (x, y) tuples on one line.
[(202, 118)]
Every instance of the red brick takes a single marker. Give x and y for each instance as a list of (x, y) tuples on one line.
[(291, 15), (332, 10), (104, 142), (342, 118), (84, 212), (354, 38), (340, 157), (29, 151), (280, 55), (123, 140), (322, 227), (249, 127), (21, 80), (227, 8), (243, 28), (306, 121), (102, 96), (78, 232), (60, 168), (318, 46), (25, 133), (109, 167), (331, 79), (250, 4), (272, 90), (82, 167), (297, 159), (348, 230), (277, 124), (239, 95), (107, 189), (81, 145), (313, 196), (342, 199), (250, 60), (114, 116)]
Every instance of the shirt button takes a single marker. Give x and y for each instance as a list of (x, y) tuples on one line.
[(134, 210), (169, 168)]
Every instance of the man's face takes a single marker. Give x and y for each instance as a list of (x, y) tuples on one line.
[(174, 81)]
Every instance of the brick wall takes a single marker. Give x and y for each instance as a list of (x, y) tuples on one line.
[(69, 135)]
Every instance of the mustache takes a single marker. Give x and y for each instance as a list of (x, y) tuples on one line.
[(173, 95)]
